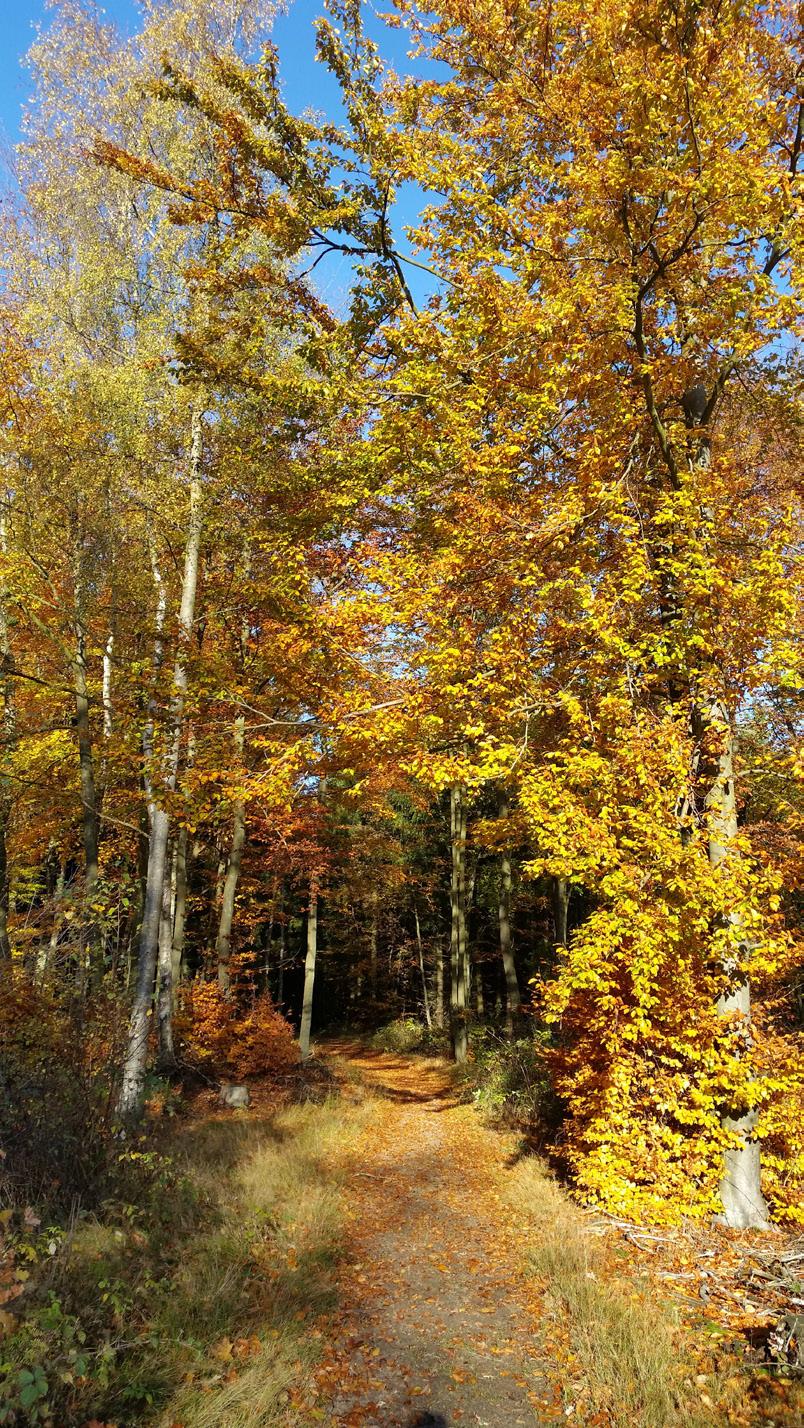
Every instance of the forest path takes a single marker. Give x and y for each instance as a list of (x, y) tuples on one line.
[(438, 1322)]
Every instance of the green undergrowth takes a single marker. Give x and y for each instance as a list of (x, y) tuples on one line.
[(408, 1035), (197, 1306), (507, 1080)]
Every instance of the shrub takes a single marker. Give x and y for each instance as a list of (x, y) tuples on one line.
[(509, 1080), (406, 1033), (58, 1062), (228, 1038)]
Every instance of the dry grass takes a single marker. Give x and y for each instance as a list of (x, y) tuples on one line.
[(198, 1304), (630, 1358), (272, 1274)]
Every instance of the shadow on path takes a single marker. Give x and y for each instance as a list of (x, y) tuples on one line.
[(437, 1322)]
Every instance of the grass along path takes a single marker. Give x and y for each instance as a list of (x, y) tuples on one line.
[(364, 1261)]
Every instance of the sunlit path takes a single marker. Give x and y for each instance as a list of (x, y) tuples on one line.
[(437, 1316)]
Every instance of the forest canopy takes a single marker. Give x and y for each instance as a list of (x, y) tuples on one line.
[(423, 645)]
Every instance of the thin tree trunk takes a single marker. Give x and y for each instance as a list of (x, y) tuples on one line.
[(46, 952), (164, 979), (9, 740), (269, 940), (148, 749), (425, 998), (179, 913), (108, 653), (512, 996), (220, 879), (180, 878), (559, 897), (130, 1102), (744, 1205), (283, 947), (458, 942), (373, 937), (223, 943), (480, 997), (309, 974), (90, 817), (439, 986)]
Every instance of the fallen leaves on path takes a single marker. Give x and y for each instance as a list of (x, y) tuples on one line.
[(437, 1313)]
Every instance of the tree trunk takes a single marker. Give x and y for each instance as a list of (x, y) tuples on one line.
[(309, 974), (512, 997), (9, 740), (47, 949), (373, 934), (179, 912), (559, 897), (458, 942), (164, 980), (439, 985), (269, 937), (130, 1103), (512, 994), (283, 948), (480, 1001), (90, 819), (425, 998), (223, 943), (740, 1188)]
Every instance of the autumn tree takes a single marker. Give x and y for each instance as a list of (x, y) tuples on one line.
[(619, 241)]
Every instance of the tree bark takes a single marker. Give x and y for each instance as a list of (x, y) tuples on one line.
[(164, 987), (179, 912), (512, 996), (426, 1000), (309, 974), (744, 1205), (458, 942), (283, 947), (108, 653), (9, 741), (373, 936), (223, 943), (130, 1102), (477, 976), (90, 814), (439, 986), (47, 949), (559, 897)]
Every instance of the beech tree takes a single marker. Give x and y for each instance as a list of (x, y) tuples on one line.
[(437, 655)]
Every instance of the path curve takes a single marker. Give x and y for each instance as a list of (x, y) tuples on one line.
[(438, 1324)]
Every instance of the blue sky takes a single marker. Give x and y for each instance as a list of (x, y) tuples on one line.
[(306, 85), (305, 82)]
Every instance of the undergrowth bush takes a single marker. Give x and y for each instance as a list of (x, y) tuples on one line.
[(58, 1062), (192, 1304), (509, 1082), (238, 1036), (407, 1033)]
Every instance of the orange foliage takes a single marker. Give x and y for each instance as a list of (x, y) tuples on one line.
[(232, 1038)]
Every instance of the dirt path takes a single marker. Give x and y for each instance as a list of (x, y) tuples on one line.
[(437, 1316)]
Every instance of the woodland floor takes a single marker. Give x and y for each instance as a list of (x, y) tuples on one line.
[(385, 1259), (447, 1308)]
